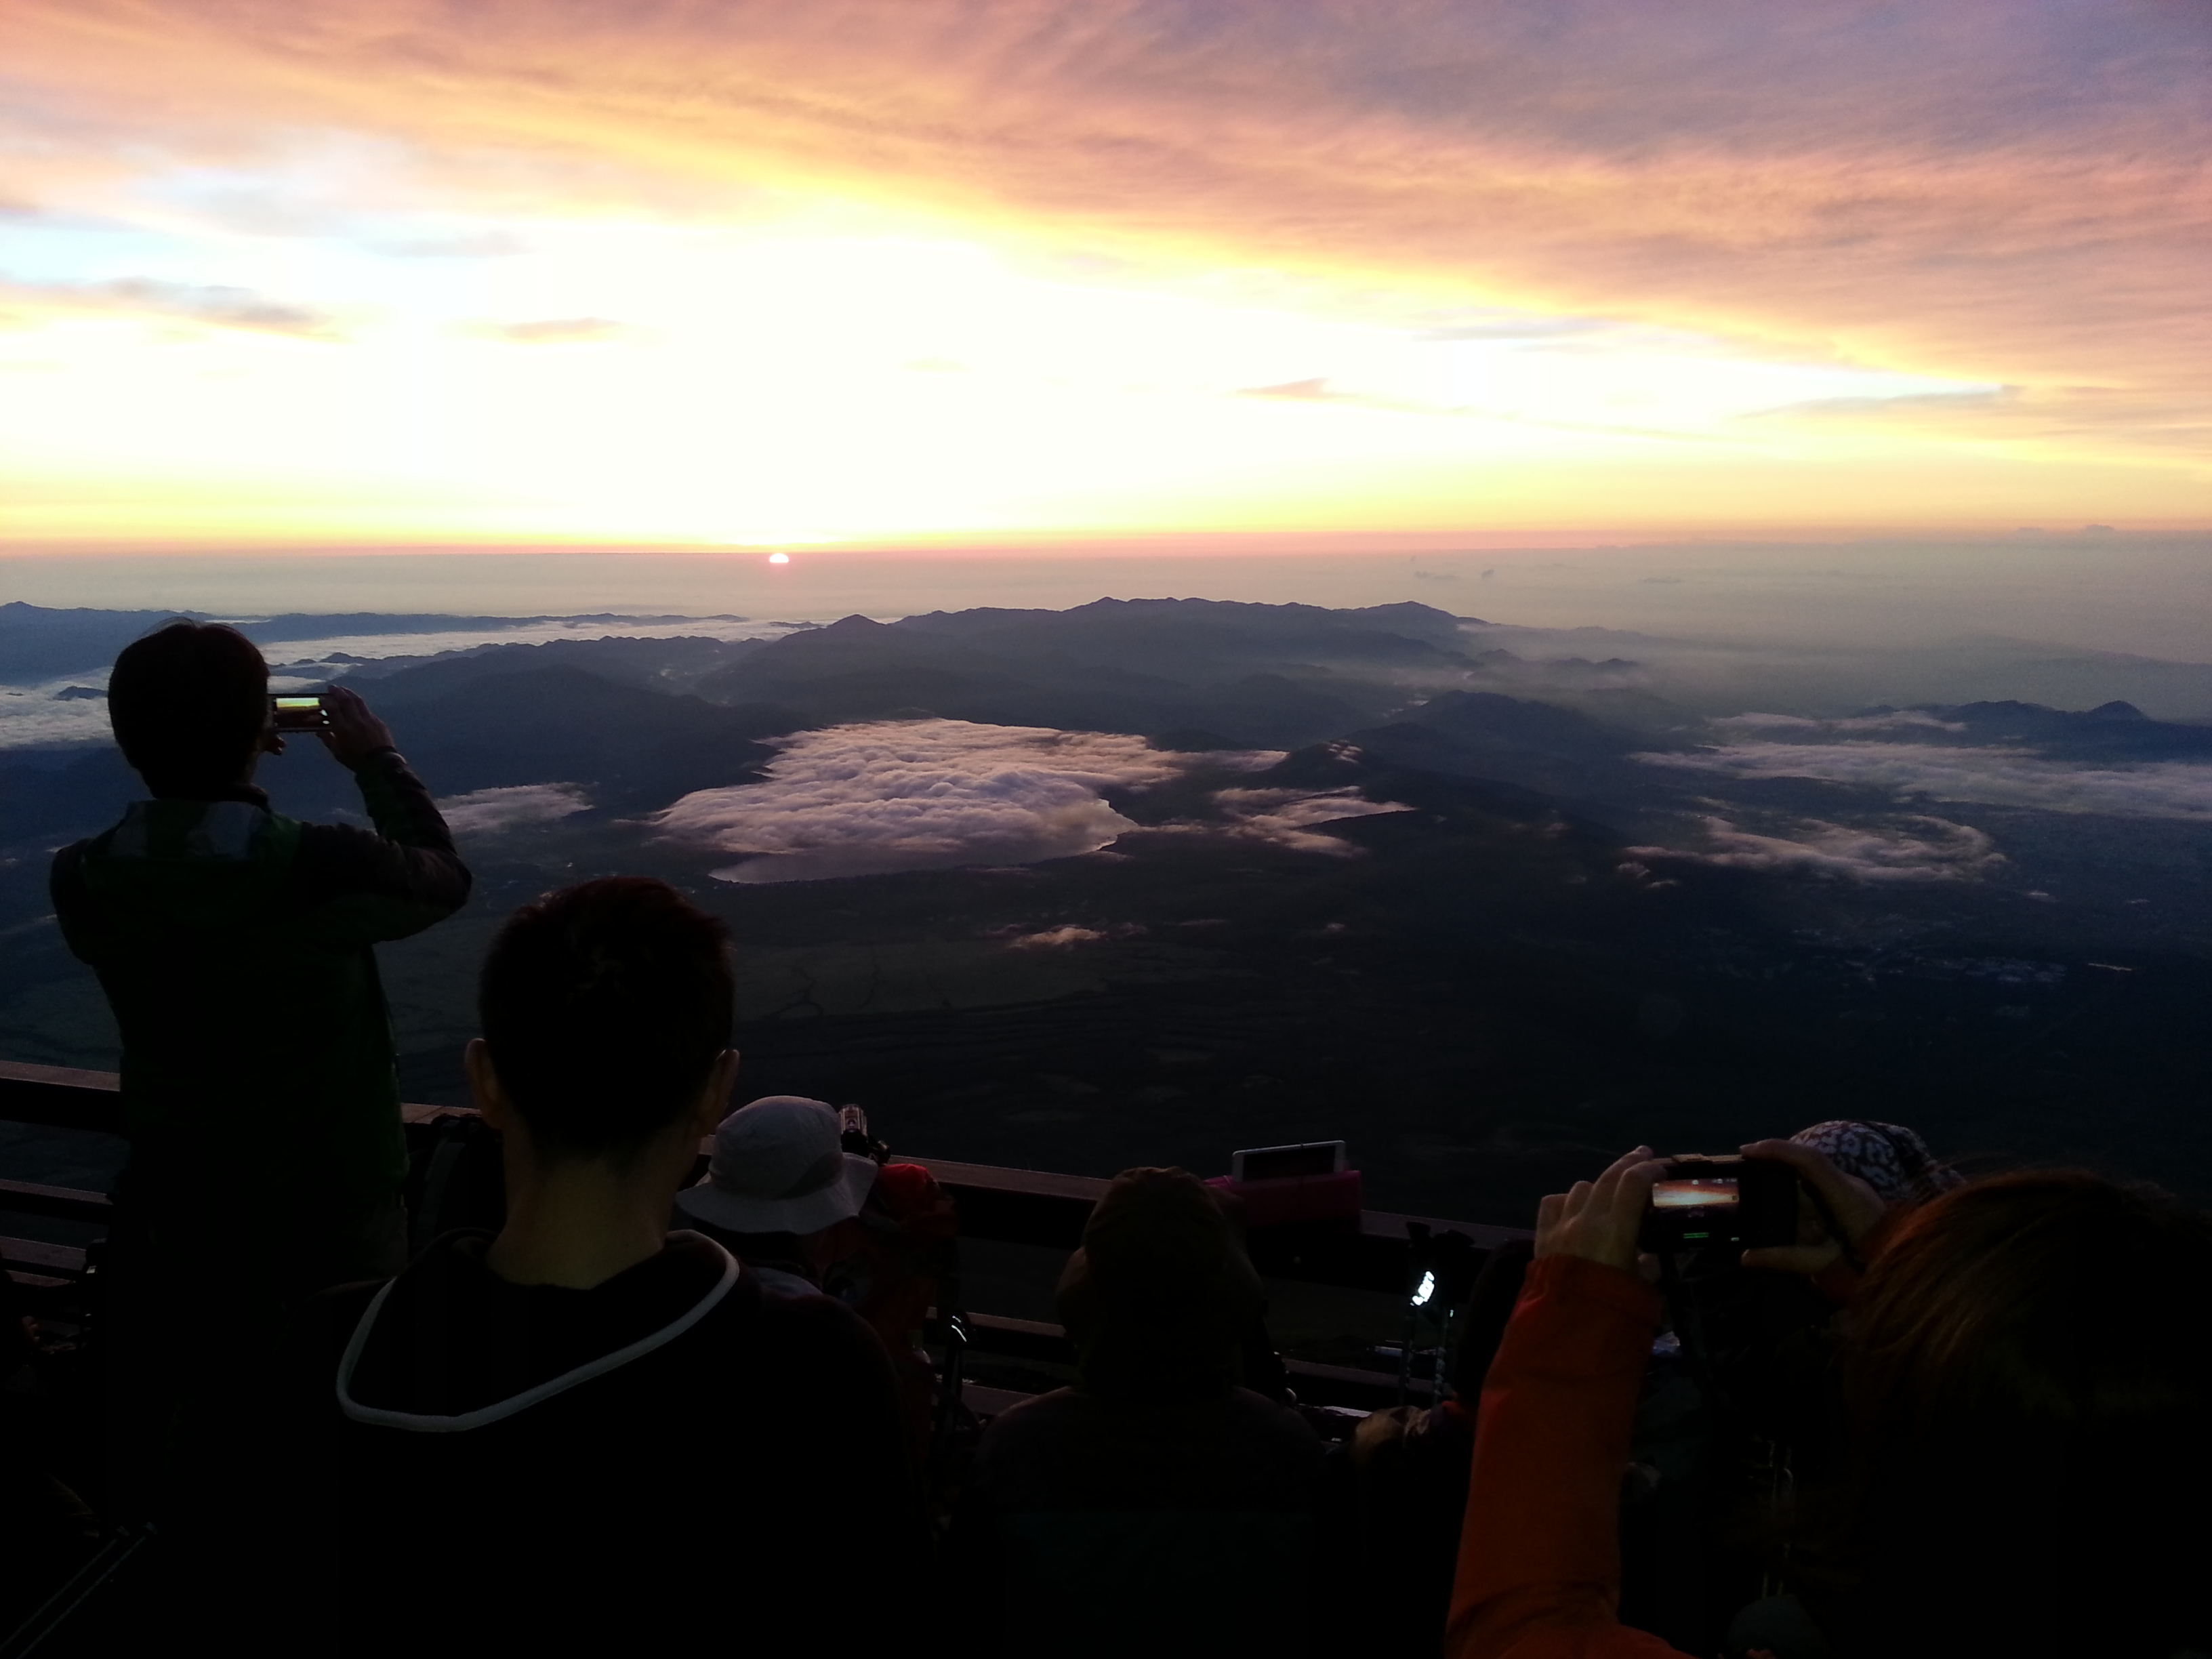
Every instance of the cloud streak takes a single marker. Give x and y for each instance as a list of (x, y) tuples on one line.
[(206, 305), (1915, 850), (1995, 777), (492, 811), (1813, 730), (1289, 817)]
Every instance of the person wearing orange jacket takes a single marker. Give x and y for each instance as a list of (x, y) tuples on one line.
[(2028, 1376)]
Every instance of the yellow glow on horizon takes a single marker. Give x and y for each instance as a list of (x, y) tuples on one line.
[(675, 385)]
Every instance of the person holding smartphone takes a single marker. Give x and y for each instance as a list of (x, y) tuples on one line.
[(2026, 1375), (236, 947)]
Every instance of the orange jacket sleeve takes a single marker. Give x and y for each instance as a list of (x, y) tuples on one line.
[(1539, 1553)]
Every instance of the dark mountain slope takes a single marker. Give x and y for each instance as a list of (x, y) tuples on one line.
[(37, 643), (1537, 745), (634, 749), (1197, 639), (656, 665), (2115, 731)]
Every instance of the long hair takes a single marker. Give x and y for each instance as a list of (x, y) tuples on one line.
[(2028, 1375), (1159, 1298)]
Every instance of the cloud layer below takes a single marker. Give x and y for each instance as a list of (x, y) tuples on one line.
[(891, 795), (1995, 777)]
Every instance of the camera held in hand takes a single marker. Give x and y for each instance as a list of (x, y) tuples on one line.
[(294, 715), (1743, 1203)]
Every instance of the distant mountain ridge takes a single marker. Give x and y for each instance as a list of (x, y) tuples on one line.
[(37, 641)]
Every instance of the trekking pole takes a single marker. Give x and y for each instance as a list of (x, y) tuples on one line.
[(106, 1563)]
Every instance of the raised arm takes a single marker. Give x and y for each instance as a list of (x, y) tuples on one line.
[(398, 878), (1539, 1553)]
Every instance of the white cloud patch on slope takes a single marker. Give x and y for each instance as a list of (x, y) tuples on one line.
[(1995, 777), (1913, 849), (488, 812), (1287, 818), (891, 795)]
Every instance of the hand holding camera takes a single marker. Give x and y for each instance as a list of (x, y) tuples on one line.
[(1601, 1220), (339, 716), (1834, 1211), (1785, 1206)]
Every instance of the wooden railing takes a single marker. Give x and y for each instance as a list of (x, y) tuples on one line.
[(1023, 1206)]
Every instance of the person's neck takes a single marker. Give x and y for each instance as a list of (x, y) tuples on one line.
[(578, 1223)]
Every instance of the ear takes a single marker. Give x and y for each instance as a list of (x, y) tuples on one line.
[(483, 1085)]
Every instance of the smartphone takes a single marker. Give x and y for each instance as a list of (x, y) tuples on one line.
[(300, 713), (1312, 1157), (1744, 1203)]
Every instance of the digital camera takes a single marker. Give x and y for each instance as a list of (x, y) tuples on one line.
[(300, 714), (1743, 1203)]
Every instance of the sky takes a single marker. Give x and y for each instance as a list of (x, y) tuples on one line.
[(942, 273)]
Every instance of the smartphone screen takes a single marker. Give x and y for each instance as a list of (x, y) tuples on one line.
[(297, 712), (1706, 1193), (1287, 1162)]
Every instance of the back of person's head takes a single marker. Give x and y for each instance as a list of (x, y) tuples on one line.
[(2029, 1373), (1159, 1298), (603, 1007), (188, 704)]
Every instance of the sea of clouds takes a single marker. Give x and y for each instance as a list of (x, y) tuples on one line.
[(888, 795)]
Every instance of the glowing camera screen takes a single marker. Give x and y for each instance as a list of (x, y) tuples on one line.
[(1706, 1193)]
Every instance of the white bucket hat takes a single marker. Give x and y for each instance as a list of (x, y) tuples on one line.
[(779, 1167)]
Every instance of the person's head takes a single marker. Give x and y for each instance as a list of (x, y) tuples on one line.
[(1889, 1157), (779, 1170), (2029, 1376), (607, 1012), (1159, 1298), (189, 704)]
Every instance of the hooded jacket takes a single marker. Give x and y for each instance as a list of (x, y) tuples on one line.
[(610, 1463), (234, 945)]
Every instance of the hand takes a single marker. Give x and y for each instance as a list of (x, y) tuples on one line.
[(1856, 1207), (1599, 1220), (354, 734)]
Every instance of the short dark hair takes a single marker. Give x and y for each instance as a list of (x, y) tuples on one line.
[(604, 1006), (189, 702)]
